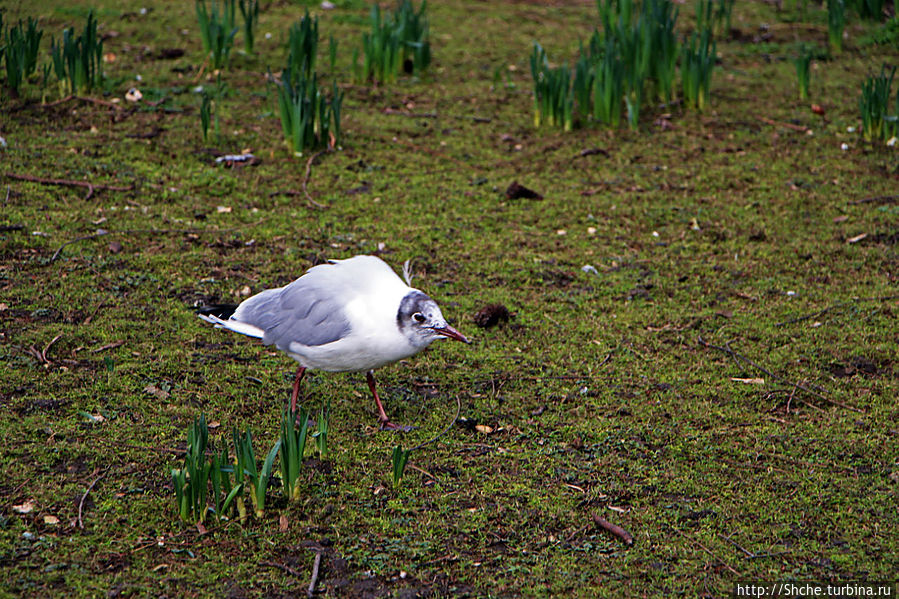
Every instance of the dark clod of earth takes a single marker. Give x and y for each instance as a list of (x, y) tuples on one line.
[(491, 315), (517, 191)]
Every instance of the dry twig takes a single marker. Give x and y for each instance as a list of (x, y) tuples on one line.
[(736, 356), (71, 183), (706, 549), (315, 566), (614, 529), (86, 493)]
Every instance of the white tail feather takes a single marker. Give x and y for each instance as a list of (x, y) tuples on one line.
[(234, 325)]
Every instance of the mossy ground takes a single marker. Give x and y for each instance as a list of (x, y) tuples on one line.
[(604, 394)]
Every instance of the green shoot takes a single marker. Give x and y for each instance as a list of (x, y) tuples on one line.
[(293, 443), (302, 48), (836, 23), (803, 61), (321, 435), (20, 51), (697, 62), (398, 41), (217, 31), (332, 53), (308, 119), (191, 481), (206, 108), (874, 103), (249, 475), (399, 457), (78, 61), (249, 10)]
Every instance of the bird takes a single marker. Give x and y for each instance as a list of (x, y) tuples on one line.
[(351, 315)]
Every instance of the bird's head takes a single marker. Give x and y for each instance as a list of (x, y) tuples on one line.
[(420, 319)]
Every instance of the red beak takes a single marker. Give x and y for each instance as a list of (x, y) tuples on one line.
[(452, 333)]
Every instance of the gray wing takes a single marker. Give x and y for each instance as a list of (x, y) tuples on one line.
[(301, 312)]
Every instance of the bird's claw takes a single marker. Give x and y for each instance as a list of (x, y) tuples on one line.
[(386, 425)]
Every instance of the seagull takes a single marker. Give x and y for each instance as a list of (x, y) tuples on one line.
[(352, 315)]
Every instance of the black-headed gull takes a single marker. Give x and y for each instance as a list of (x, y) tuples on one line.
[(350, 315)]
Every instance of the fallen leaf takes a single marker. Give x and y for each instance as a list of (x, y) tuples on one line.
[(840, 219), (818, 109), (224, 209), (748, 381), (201, 529), (282, 523), (23, 508), (857, 238), (160, 567), (483, 428), (51, 520), (156, 392)]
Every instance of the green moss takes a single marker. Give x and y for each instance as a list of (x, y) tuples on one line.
[(731, 226)]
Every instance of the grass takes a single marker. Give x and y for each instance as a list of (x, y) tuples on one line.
[(735, 226)]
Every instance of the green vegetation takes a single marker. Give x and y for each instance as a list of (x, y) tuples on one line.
[(697, 63), (217, 30), (294, 427), (701, 346), (399, 458), (249, 10), (302, 49), (874, 104), (836, 24), (19, 51), (398, 41), (803, 61), (78, 61)]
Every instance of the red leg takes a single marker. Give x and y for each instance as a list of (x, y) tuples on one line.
[(382, 415), (301, 371)]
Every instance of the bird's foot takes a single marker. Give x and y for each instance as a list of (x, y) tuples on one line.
[(386, 425)]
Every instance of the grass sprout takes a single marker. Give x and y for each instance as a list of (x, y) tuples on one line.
[(321, 434), (803, 62), (697, 62), (77, 61), (217, 31), (874, 103), (248, 474), (836, 23), (398, 41), (309, 120), (191, 481), (293, 444), (302, 48), (553, 101), (19, 51), (249, 10), (399, 458)]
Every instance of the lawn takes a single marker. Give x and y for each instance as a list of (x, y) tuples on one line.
[(701, 350)]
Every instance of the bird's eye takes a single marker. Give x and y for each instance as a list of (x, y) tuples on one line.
[(418, 317)]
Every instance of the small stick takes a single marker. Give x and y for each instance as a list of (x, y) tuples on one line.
[(90, 186), (443, 432), (283, 567), (309, 174), (780, 124), (706, 549), (726, 349), (83, 99), (614, 529), (875, 200), (47, 348), (315, 566), (749, 554), (86, 493), (99, 233)]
